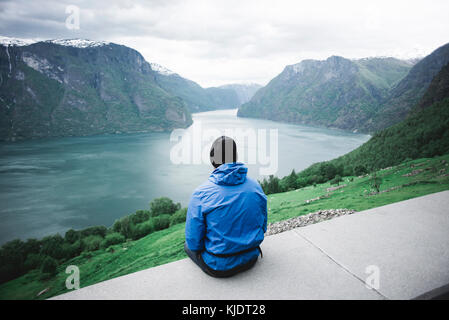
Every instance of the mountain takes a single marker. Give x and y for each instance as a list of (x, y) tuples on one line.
[(438, 90), (196, 97), (407, 93), (336, 92), (244, 91), (223, 98), (424, 132), (81, 87)]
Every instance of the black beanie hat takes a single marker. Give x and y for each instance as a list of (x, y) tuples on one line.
[(223, 150)]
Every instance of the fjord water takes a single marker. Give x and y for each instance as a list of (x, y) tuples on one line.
[(52, 185)]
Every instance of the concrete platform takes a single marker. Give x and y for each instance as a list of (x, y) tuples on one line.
[(406, 244)]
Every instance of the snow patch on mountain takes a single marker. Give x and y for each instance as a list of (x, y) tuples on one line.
[(160, 69), (78, 43), (7, 41)]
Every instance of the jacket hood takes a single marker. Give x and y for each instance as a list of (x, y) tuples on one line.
[(229, 174)]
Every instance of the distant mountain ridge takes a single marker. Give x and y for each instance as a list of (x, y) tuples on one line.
[(75, 87), (336, 92), (198, 98), (81, 87), (244, 91)]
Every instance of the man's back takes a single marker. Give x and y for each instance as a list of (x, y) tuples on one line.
[(227, 218)]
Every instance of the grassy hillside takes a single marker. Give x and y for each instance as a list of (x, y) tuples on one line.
[(407, 180), (423, 134)]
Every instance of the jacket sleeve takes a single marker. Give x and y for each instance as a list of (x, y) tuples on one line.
[(263, 204), (195, 225), (264, 211)]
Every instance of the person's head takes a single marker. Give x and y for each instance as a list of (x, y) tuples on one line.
[(223, 150)]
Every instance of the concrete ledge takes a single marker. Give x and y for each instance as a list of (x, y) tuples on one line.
[(407, 241)]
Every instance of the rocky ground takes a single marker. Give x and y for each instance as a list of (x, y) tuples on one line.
[(301, 221)]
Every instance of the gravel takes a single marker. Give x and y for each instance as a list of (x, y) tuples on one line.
[(305, 220)]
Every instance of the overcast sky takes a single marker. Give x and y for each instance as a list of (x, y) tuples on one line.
[(218, 42)]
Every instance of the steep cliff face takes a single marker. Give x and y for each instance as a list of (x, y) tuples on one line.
[(337, 92), (80, 87), (438, 90), (407, 93), (423, 133)]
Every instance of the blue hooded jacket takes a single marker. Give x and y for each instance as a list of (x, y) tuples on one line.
[(227, 214)]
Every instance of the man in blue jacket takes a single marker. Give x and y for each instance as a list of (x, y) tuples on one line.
[(227, 216)]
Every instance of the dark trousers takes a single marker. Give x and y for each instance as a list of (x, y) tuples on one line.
[(196, 257)]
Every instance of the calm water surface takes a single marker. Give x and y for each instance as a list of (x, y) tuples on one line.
[(51, 185)]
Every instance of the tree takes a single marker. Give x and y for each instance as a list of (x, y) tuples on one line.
[(290, 181), (271, 185), (376, 181), (327, 170), (301, 182), (161, 222), (11, 260), (140, 216), (49, 266), (336, 180), (52, 246), (178, 217), (117, 226), (163, 205), (72, 249), (71, 236), (94, 231), (124, 226), (92, 242), (359, 170), (31, 246), (111, 239), (143, 229), (33, 261)]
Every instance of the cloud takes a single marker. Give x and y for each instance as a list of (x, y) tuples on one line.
[(217, 42)]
